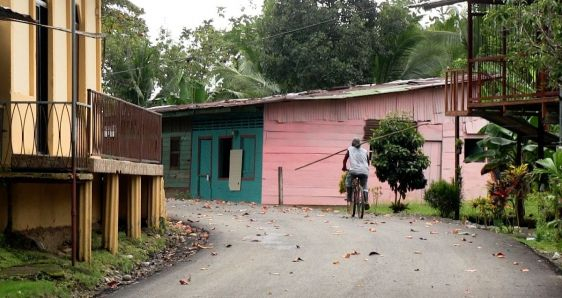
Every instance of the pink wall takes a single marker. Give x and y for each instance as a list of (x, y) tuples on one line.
[(296, 133)]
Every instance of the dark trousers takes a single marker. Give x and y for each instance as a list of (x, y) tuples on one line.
[(362, 180)]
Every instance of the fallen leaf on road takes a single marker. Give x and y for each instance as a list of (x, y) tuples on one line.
[(207, 206), (373, 253), (421, 238), (255, 240), (214, 253), (203, 268), (274, 273), (433, 232), (203, 247), (499, 255), (372, 230), (354, 253), (515, 263), (463, 239), (412, 230), (409, 237), (456, 244), (456, 231), (524, 270), (417, 252), (335, 262), (417, 269), (113, 284), (228, 245), (185, 281), (347, 255), (298, 246), (298, 259), (470, 270)]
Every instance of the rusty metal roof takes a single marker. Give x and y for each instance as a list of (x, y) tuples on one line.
[(8, 14), (336, 93)]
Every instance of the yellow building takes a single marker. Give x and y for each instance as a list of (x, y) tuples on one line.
[(118, 145)]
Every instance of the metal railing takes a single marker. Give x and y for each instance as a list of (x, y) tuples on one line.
[(37, 135), (125, 131)]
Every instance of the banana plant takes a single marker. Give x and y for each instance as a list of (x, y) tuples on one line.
[(552, 167)]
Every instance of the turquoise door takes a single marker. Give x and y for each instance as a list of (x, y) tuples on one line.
[(204, 175)]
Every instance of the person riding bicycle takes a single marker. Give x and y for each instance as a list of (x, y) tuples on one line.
[(358, 167)]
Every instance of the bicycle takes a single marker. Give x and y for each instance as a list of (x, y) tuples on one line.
[(357, 203)]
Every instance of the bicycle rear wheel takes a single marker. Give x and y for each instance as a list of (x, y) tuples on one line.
[(360, 203)]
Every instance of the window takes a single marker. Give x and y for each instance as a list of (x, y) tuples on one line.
[(248, 145), (174, 153), (225, 145), (471, 147), (42, 75)]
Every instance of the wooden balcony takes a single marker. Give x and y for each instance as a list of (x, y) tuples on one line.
[(35, 136), (504, 100)]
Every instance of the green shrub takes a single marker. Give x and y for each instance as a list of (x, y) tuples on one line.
[(443, 196)]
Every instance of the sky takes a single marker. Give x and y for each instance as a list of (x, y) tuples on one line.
[(177, 14)]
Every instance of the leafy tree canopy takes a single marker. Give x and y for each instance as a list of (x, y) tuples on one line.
[(130, 62), (311, 44), (537, 26), (398, 157)]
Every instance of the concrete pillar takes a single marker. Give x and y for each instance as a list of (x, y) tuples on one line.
[(134, 208), (163, 211), (154, 202), (85, 222), (111, 213)]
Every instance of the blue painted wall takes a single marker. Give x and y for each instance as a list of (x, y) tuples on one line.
[(246, 131)]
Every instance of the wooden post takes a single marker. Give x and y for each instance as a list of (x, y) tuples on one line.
[(519, 149), (134, 210), (111, 214), (280, 184), (457, 161), (154, 201), (85, 222)]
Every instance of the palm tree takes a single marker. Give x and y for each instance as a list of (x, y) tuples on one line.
[(422, 53), (243, 79)]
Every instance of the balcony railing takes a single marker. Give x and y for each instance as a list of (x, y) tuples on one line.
[(485, 89), (125, 131), (37, 135)]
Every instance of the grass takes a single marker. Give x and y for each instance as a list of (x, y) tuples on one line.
[(28, 288), (82, 277), (544, 245), (414, 208)]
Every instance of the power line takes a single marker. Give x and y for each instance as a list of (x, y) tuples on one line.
[(266, 37), (375, 138)]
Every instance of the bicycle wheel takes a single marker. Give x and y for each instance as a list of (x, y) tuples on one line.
[(361, 203), (356, 197)]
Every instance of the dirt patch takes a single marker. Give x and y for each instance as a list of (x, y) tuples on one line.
[(46, 239), (183, 240)]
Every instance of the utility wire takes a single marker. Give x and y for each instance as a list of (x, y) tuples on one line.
[(265, 37), (376, 138)]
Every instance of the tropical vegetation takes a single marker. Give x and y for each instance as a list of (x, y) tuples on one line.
[(398, 157), (291, 46)]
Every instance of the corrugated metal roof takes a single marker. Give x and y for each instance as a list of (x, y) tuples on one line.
[(8, 14), (340, 93)]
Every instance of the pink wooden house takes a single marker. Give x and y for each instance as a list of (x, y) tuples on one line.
[(303, 127)]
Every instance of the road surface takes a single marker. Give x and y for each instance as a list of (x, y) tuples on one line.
[(301, 252)]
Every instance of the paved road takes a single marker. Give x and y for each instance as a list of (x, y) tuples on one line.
[(265, 246)]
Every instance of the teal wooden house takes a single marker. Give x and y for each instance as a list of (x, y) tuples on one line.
[(213, 153)]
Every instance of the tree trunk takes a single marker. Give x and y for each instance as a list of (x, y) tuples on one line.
[(520, 210)]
